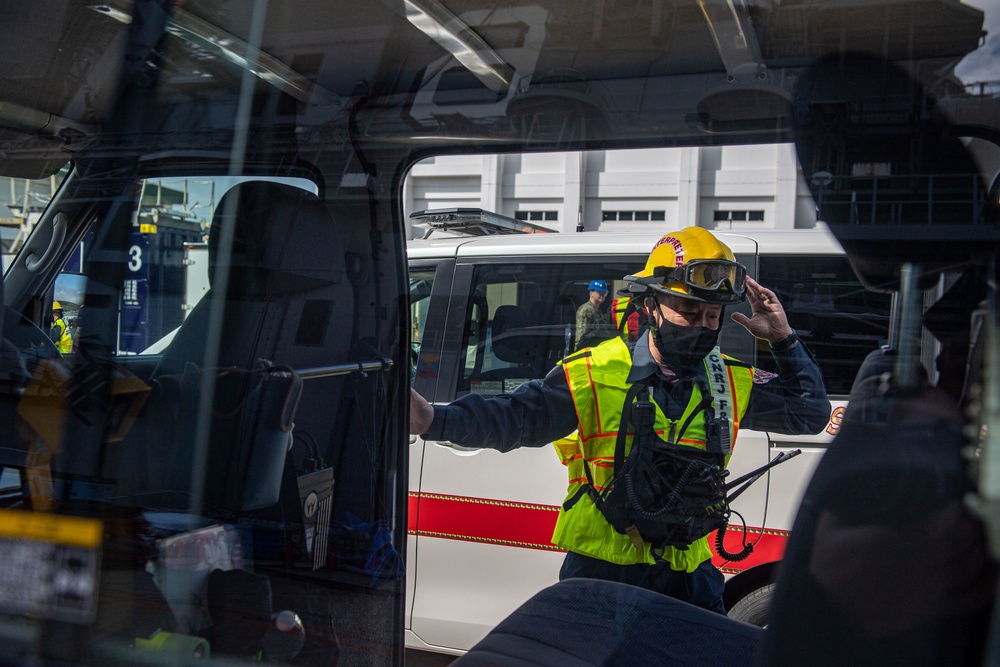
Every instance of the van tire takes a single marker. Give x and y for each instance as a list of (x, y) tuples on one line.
[(754, 607)]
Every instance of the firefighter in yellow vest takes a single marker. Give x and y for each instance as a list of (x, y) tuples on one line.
[(646, 428), (59, 332)]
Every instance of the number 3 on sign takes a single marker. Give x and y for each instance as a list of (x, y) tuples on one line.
[(134, 258)]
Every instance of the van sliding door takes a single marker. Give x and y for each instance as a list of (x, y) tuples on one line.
[(484, 526)]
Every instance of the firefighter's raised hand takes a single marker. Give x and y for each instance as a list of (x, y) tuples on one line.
[(768, 319), (421, 414)]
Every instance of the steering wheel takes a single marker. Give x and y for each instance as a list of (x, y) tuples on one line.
[(33, 343)]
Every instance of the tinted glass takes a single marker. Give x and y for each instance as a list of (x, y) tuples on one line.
[(523, 319), (840, 320), (421, 281), (147, 474)]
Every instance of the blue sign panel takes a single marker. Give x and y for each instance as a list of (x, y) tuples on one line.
[(133, 333)]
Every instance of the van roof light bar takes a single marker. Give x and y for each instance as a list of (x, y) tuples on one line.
[(474, 222)]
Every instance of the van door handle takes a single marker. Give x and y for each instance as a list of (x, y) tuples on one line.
[(33, 262), (459, 449), (413, 439), (797, 444)]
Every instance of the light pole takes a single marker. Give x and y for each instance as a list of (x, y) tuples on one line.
[(821, 179)]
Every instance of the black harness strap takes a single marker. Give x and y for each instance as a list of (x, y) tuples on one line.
[(641, 391), (638, 394), (706, 403), (575, 498)]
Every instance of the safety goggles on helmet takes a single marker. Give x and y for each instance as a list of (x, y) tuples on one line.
[(713, 280), (708, 274)]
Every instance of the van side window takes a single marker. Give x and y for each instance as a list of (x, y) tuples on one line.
[(421, 281), (832, 312), (522, 318)]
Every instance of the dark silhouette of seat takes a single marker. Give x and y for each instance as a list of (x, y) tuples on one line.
[(885, 564), (509, 335), (514, 342), (597, 622), (278, 301)]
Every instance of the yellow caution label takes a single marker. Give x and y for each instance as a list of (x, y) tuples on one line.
[(52, 528), (147, 228)]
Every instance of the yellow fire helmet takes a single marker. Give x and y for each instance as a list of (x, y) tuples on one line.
[(693, 264), (56, 305)]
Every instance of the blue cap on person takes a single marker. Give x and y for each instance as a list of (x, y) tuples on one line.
[(598, 286)]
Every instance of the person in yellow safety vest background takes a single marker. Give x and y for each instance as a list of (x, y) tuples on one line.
[(625, 314), (59, 333), (694, 400)]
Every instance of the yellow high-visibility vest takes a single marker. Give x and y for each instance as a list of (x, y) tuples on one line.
[(597, 382), (65, 342)]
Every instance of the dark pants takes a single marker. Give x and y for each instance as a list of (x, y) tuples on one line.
[(703, 587)]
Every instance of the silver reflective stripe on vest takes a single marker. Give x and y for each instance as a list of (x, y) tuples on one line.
[(723, 401)]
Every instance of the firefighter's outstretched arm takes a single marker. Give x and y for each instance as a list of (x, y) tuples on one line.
[(532, 415)]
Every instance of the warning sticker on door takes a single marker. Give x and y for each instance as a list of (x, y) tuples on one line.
[(49, 565)]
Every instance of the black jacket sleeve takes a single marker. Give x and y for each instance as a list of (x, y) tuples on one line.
[(533, 415), (794, 402), (540, 411)]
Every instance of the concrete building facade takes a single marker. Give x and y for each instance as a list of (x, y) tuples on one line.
[(719, 187)]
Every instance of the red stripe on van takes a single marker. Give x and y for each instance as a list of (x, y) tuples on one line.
[(515, 524), (769, 546), (529, 526)]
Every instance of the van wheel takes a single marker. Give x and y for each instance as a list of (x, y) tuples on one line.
[(754, 607)]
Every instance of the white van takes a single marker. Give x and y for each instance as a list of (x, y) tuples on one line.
[(489, 312)]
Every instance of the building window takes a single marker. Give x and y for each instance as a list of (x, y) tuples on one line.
[(654, 216), (537, 216), (739, 216)]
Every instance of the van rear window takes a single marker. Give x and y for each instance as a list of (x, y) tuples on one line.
[(832, 312)]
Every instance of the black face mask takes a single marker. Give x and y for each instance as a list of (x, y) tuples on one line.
[(685, 347)]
